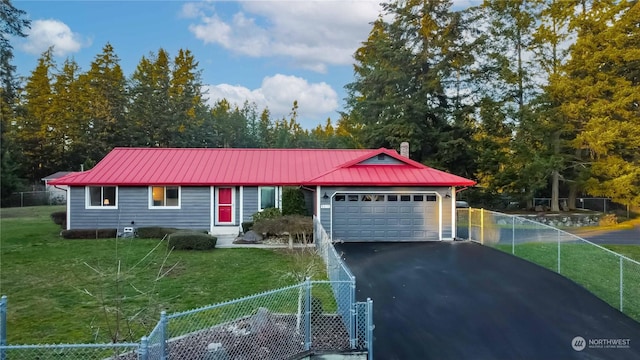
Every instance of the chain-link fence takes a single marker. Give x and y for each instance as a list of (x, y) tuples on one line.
[(610, 276), (345, 283), (34, 198), (279, 324)]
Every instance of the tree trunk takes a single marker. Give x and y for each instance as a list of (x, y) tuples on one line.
[(555, 191), (573, 194)]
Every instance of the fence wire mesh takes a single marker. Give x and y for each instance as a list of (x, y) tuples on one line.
[(70, 352), (611, 276)]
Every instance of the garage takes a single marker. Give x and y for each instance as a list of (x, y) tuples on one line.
[(371, 216)]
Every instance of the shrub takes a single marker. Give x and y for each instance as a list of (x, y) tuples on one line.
[(60, 218), (89, 233), (293, 201), (247, 226), (268, 213), (292, 224), (607, 220), (191, 240), (154, 232)]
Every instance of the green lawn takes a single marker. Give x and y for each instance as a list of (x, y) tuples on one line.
[(83, 290), (595, 269)]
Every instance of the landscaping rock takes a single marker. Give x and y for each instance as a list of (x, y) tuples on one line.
[(252, 236)]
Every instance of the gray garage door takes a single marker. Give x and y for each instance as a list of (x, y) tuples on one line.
[(385, 217)]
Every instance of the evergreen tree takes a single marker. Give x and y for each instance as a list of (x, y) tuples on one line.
[(12, 23)]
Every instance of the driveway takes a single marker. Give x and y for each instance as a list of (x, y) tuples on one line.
[(611, 237), (460, 300)]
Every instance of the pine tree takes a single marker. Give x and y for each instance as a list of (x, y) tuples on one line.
[(12, 23)]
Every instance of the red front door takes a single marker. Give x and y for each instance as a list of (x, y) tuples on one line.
[(225, 205)]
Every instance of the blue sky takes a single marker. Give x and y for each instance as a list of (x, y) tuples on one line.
[(267, 52)]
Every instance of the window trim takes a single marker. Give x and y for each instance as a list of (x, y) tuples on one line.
[(277, 195), (164, 207), (87, 197)]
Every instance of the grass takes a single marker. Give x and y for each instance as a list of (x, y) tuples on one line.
[(86, 289), (595, 269)]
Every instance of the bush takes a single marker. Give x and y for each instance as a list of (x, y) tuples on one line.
[(89, 233), (60, 218), (608, 220), (292, 224), (154, 232), (247, 226), (191, 240), (268, 213), (293, 201)]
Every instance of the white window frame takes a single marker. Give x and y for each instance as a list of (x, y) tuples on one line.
[(164, 207), (87, 197), (278, 197)]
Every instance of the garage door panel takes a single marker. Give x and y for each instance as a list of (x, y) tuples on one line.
[(376, 218)]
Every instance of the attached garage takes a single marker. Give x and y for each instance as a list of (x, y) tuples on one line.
[(398, 216)]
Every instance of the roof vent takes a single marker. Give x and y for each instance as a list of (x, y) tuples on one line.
[(404, 149)]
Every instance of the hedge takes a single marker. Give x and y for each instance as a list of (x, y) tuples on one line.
[(191, 240), (154, 232), (60, 218), (89, 233)]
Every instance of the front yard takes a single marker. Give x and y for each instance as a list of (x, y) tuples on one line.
[(103, 290)]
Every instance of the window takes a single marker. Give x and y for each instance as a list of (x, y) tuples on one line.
[(366, 197), (352, 197), (418, 198), (392, 197), (339, 197), (102, 197), (378, 197), (164, 197), (405, 197), (431, 198), (268, 197)]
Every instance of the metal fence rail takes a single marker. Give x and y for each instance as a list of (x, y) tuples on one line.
[(612, 277), (356, 316)]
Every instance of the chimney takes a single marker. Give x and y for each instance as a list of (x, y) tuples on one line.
[(404, 149)]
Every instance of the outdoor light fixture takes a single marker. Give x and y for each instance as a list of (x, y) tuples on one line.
[(325, 196), (106, 202)]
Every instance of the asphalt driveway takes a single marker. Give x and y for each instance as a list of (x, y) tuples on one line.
[(615, 237), (460, 300)]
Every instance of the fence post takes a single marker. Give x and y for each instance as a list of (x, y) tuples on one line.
[(621, 285), (21, 199), (354, 312), (163, 336), (143, 352), (513, 235), (370, 327), (482, 226), (307, 315), (469, 227), (558, 232), (3, 326)]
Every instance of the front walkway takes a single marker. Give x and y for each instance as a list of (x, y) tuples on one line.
[(461, 300)]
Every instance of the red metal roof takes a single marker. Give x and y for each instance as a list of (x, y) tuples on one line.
[(188, 166)]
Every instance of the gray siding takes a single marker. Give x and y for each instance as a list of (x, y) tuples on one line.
[(325, 214), (446, 217), (195, 211), (385, 160), (309, 200), (250, 205)]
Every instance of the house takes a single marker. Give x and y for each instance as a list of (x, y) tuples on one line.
[(57, 194), (358, 195)]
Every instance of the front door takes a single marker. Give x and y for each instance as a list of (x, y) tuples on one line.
[(225, 211)]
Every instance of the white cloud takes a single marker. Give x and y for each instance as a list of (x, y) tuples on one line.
[(313, 34), (46, 33), (316, 101)]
